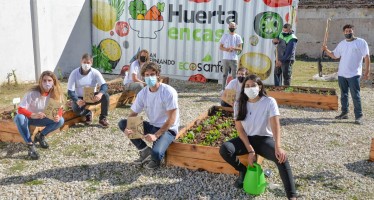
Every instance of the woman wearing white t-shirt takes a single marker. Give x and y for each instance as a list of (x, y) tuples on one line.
[(236, 84), (257, 122), (31, 111), (133, 80)]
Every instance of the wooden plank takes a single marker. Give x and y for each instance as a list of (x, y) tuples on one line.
[(183, 131), (371, 155), (71, 122), (194, 151)]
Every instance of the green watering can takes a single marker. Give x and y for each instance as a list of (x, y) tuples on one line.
[(254, 180)]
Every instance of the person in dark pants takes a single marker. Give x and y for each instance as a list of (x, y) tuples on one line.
[(351, 52), (257, 122), (286, 56), (86, 76)]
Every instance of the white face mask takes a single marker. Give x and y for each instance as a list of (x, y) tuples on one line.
[(47, 86), (86, 67), (252, 92)]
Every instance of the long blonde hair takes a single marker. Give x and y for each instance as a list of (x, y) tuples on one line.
[(55, 92)]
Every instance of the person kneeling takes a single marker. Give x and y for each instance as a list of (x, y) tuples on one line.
[(257, 122), (160, 102)]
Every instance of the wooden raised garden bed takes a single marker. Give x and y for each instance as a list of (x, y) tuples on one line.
[(324, 98), (197, 156), (371, 155)]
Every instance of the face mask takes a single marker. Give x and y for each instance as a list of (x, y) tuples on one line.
[(232, 30), (348, 36), (86, 67), (241, 79), (252, 92), (142, 59), (151, 80), (47, 86), (285, 34)]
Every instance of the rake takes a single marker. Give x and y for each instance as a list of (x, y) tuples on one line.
[(320, 66)]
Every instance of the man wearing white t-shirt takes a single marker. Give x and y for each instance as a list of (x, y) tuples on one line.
[(236, 84), (86, 76), (230, 44), (160, 103), (351, 51)]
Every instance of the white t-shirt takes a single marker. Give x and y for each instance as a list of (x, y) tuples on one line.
[(257, 121), (234, 84), (229, 40), (351, 55), (134, 69), (34, 101), (156, 104), (77, 81)]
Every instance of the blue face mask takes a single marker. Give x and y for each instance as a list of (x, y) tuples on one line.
[(151, 80)]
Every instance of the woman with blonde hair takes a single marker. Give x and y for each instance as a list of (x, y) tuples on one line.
[(31, 111), (133, 80)]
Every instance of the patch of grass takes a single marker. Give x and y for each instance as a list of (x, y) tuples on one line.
[(335, 187), (18, 167), (334, 143), (34, 182), (79, 150), (93, 185), (109, 146)]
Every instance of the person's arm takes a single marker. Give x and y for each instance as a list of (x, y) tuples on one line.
[(72, 95), (103, 88), (367, 67), (172, 116), (222, 48), (328, 52), (244, 138), (238, 48), (289, 50), (275, 127), (135, 78)]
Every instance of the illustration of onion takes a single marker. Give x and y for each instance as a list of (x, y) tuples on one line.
[(112, 50), (256, 63)]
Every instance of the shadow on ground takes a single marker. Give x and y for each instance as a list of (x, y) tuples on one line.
[(363, 167)]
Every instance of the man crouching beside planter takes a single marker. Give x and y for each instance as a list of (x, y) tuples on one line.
[(160, 102), (257, 122)]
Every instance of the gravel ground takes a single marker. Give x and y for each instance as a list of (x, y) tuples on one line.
[(328, 158)]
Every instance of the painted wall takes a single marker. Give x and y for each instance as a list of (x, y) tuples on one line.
[(64, 35), (311, 28)]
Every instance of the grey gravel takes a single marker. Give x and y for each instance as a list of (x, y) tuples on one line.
[(328, 158)]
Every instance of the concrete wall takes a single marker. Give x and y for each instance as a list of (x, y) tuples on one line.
[(312, 22), (64, 35)]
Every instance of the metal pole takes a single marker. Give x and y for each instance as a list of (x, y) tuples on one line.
[(35, 37)]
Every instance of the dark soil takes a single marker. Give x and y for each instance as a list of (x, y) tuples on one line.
[(214, 130)]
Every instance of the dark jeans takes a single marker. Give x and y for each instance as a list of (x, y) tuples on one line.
[(353, 84), (263, 146), (82, 111), (159, 146), (224, 104), (286, 71)]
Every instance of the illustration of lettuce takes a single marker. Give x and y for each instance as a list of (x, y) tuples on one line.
[(137, 9)]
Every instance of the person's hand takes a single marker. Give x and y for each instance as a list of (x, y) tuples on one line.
[(56, 118), (150, 137), (251, 158), (38, 115), (275, 41), (81, 103), (324, 48), (97, 97), (278, 63), (128, 132), (280, 154)]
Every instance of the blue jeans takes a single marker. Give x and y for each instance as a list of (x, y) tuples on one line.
[(23, 124), (82, 111), (286, 71), (159, 146), (353, 84)]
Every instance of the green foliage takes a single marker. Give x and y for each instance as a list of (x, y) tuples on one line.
[(100, 60), (289, 89), (137, 7), (59, 71), (118, 5), (199, 128), (34, 182), (161, 6)]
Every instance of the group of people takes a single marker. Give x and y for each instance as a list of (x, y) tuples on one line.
[(256, 114)]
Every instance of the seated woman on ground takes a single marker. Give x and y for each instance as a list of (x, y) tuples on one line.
[(31, 112), (133, 80), (257, 122)]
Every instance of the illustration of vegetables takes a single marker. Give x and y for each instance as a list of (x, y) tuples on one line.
[(122, 28), (112, 50), (103, 15), (137, 8), (100, 60), (118, 6), (154, 13)]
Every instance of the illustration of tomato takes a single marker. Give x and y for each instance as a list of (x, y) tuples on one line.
[(278, 3), (122, 28), (197, 78), (200, 1), (247, 1), (268, 25)]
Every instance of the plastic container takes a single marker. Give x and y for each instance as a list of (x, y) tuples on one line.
[(254, 180)]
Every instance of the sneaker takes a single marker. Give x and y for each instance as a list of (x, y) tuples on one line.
[(32, 152), (239, 181), (342, 115), (152, 165), (41, 139), (359, 121), (104, 123), (88, 119), (144, 155)]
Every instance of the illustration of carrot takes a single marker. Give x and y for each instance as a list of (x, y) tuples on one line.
[(154, 13)]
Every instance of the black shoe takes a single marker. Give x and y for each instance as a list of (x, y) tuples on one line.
[(104, 123), (32, 152), (144, 156), (342, 115), (152, 165), (88, 119), (239, 181), (41, 139)]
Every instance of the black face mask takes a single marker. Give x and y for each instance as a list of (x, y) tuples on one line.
[(142, 59), (241, 79), (286, 34), (348, 36), (232, 29)]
